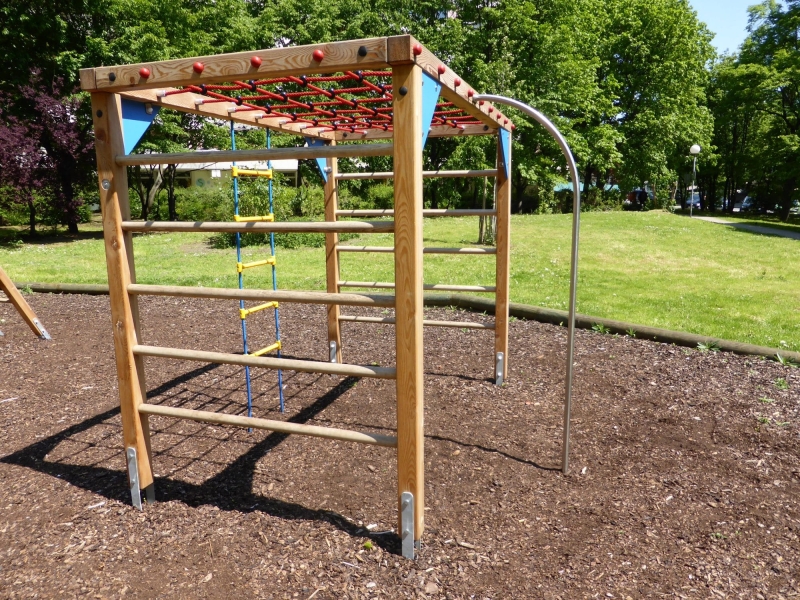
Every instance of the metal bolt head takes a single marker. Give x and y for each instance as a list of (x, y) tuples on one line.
[(106, 184)]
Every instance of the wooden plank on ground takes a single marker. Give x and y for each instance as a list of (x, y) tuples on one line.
[(23, 308)]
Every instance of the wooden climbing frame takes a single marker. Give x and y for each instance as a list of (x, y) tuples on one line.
[(373, 97), (17, 300)]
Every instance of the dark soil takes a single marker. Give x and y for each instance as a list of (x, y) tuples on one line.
[(684, 472)]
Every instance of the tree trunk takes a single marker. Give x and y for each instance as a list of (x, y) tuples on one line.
[(786, 197), (173, 213), (31, 215), (152, 192)]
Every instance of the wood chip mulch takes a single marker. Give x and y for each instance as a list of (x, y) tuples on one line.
[(684, 479)]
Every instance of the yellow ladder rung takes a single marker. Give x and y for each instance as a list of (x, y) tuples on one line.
[(270, 217), (240, 267), (275, 346), (243, 312), (236, 172)]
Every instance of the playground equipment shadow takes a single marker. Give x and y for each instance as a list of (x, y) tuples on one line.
[(684, 463)]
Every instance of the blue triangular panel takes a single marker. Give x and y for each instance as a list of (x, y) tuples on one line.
[(321, 162), (135, 122), (430, 95), (505, 144)]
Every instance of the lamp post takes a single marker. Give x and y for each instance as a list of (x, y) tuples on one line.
[(694, 151)]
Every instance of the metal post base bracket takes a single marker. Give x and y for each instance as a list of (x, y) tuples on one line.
[(332, 345), (407, 524), (133, 478), (499, 364)]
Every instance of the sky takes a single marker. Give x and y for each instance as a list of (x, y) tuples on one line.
[(726, 18)]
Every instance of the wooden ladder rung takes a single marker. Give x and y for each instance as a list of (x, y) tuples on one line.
[(345, 248), (426, 286), (383, 301), (331, 433), (288, 364), (261, 227), (425, 322)]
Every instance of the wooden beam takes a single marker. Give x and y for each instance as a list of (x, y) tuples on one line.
[(273, 62), (400, 51), (385, 301), (261, 227), (437, 130), (331, 433), (425, 323), (113, 185), (442, 287), (408, 278), (426, 212), (503, 241), (424, 250), (261, 154), (267, 362), (331, 256), (186, 102), (425, 174), (23, 308)]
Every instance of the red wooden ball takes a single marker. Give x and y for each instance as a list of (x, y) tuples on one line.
[(457, 82), (198, 67), (470, 93), (318, 55), (417, 49), (255, 61), (442, 69), (491, 109), (144, 72)]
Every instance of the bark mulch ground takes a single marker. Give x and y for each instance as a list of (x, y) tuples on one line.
[(684, 481)]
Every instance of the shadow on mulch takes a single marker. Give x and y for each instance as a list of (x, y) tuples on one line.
[(229, 490)]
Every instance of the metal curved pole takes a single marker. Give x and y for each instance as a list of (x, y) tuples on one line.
[(573, 274)]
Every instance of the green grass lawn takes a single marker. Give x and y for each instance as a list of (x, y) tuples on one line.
[(650, 268)]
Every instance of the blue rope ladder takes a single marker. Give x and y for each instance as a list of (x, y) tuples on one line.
[(241, 267)]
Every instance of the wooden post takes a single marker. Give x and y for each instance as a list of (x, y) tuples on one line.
[(113, 181), (407, 106), (23, 308), (503, 241), (332, 256)]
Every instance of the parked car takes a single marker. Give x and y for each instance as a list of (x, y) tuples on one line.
[(746, 205), (795, 210), (693, 201)]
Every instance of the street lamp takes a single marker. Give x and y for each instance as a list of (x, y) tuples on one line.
[(694, 151)]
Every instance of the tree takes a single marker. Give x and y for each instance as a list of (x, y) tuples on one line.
[(49, 155)]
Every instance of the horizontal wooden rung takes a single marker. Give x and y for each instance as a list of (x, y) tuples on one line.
[(424, 250), (331, 433), (281, 227), (268, 295), (268, 349), (425, 322), (259, 154), (427, 212), (426, 174), (425, 286), (287, 364)]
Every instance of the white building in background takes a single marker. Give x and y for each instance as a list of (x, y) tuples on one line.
[(193, 175), (214, 174)]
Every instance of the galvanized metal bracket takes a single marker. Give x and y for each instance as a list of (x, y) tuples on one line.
[(407, 524), (332, 346), (133, 478), (42, 331), (499, 367)]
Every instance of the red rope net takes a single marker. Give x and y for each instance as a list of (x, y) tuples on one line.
[(324, 103)]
